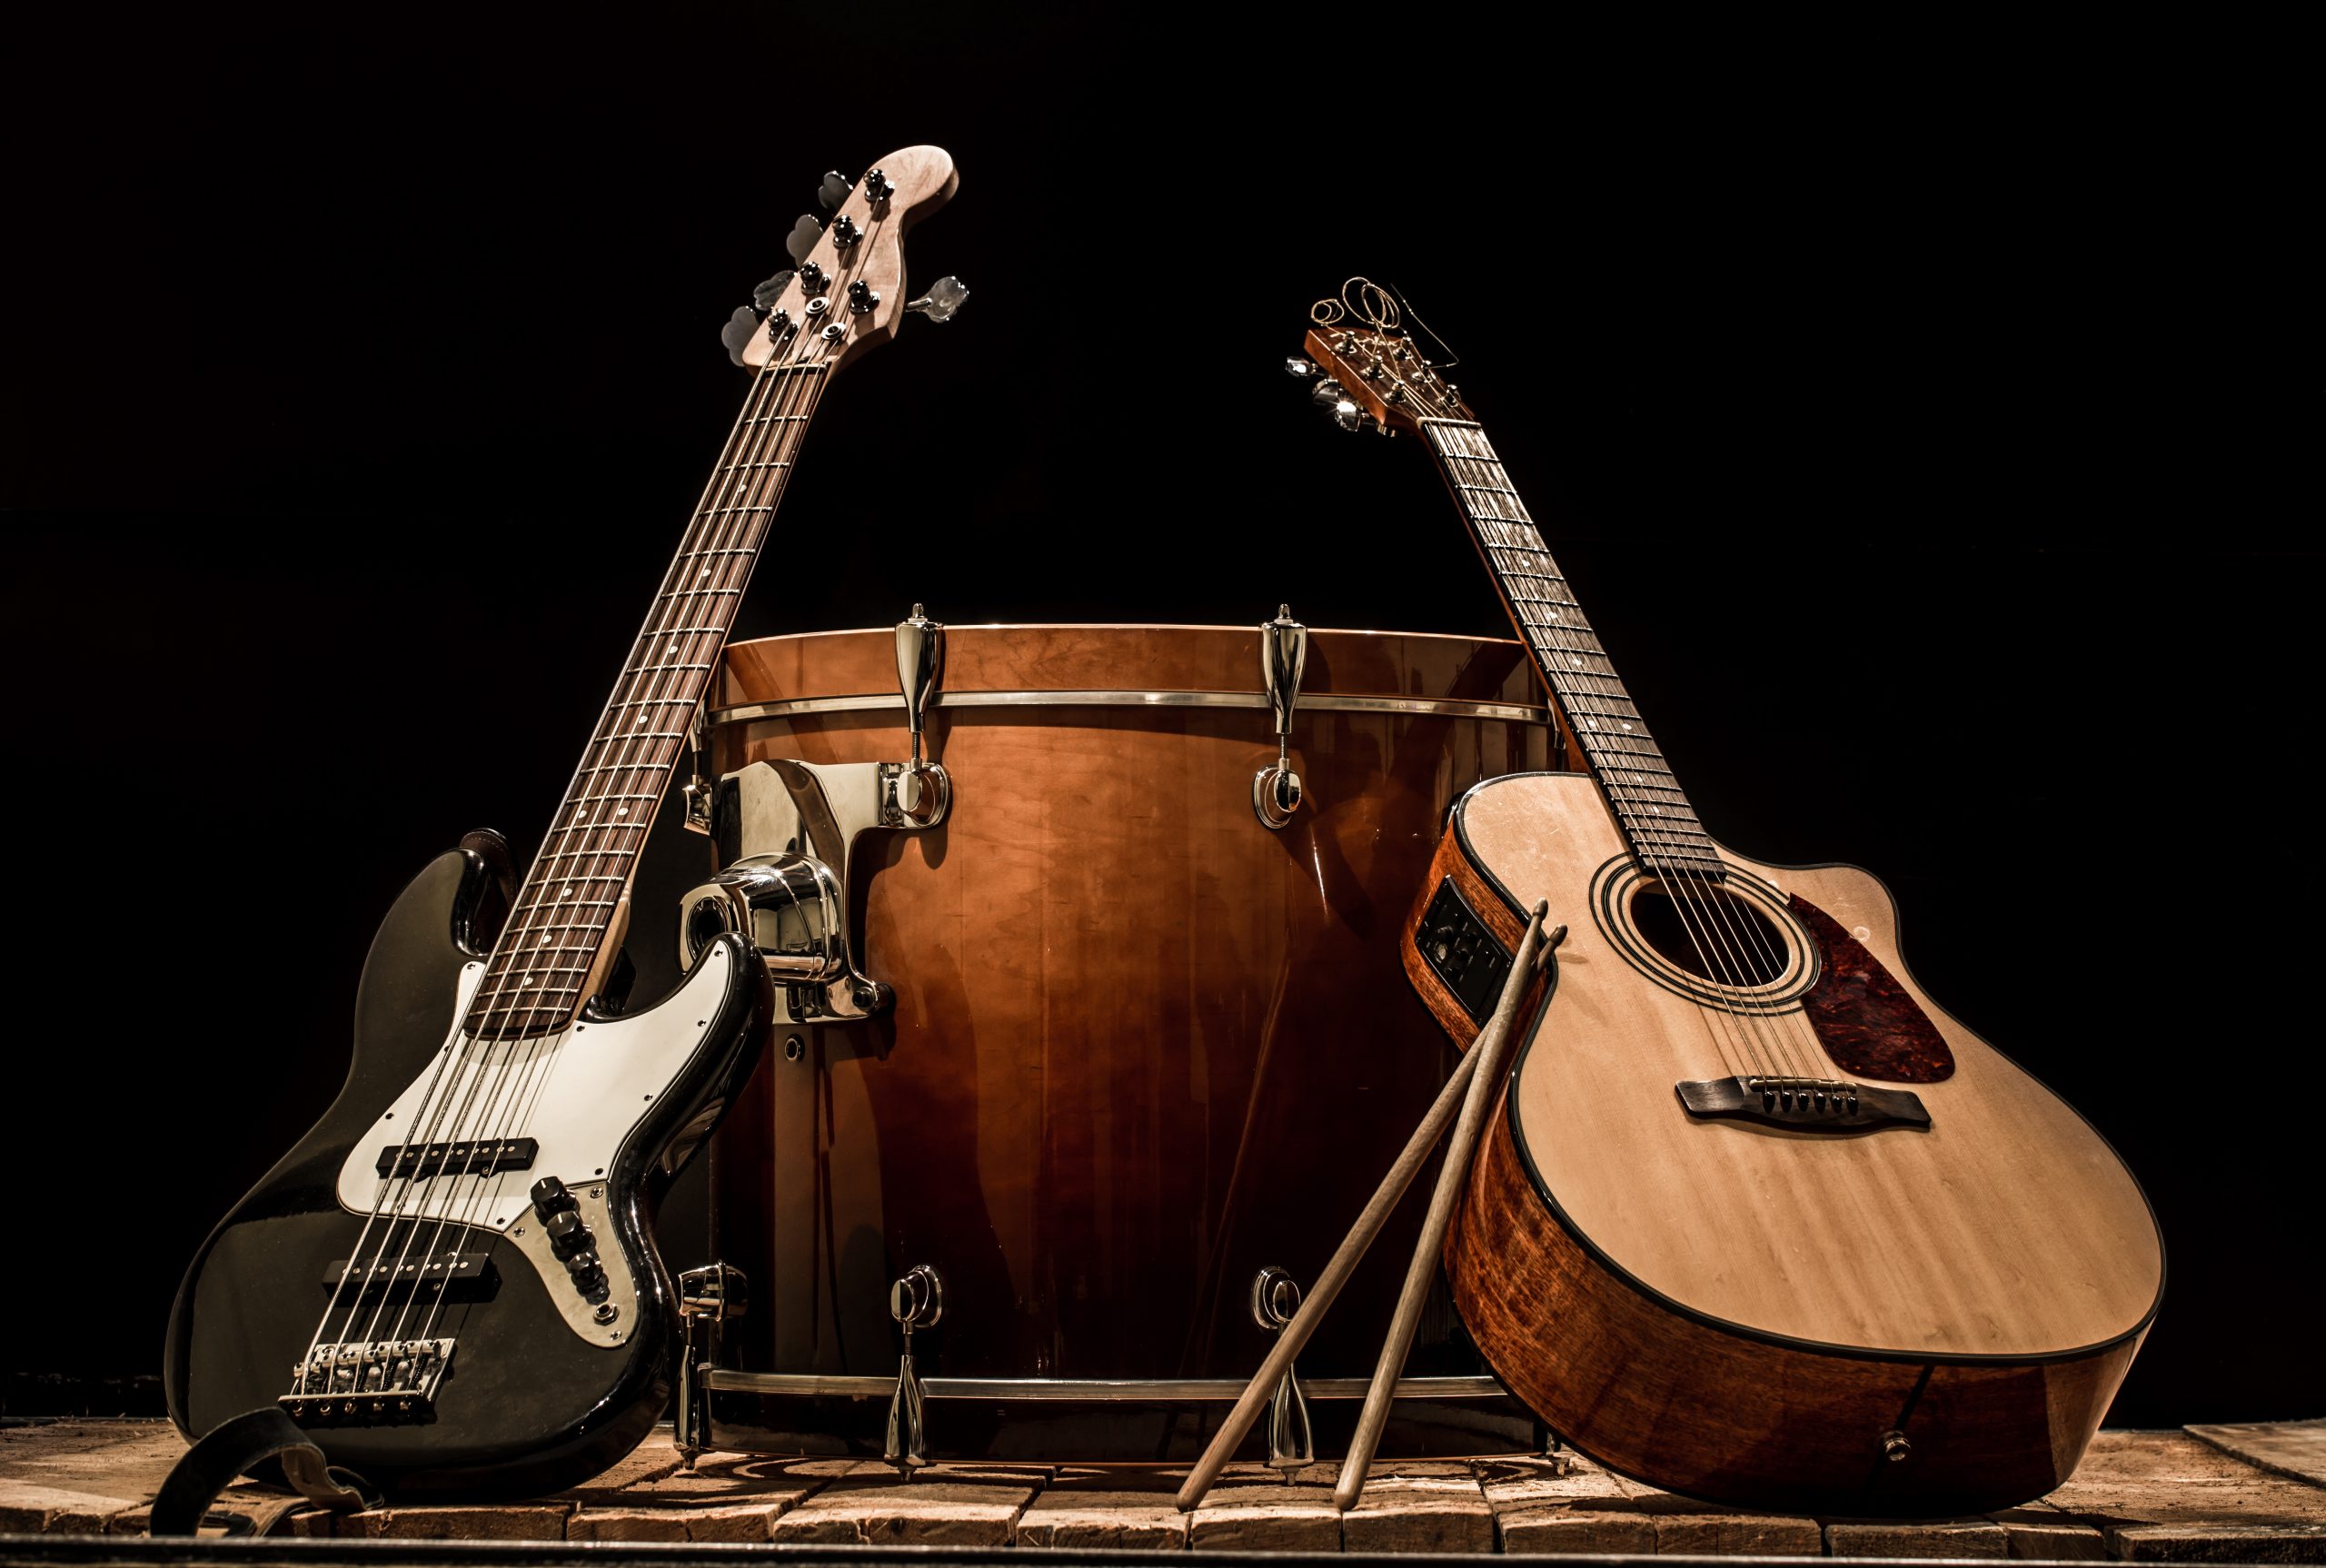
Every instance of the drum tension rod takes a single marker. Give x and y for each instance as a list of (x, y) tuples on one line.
[(1284, 654), (698, 785)]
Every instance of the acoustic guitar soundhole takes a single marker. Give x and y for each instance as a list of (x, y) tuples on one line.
[(1711, 933)]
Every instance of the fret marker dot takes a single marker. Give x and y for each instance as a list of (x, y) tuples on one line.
[(621, 811), (1576, 662), (641, 718), (569, 889)]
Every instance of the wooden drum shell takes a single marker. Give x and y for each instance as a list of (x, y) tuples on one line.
[(1142, 1046)]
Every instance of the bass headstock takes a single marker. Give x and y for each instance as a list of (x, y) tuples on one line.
[(845, 290), (1370, 367)]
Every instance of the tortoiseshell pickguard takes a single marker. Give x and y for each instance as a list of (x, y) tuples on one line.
[(1863, 1016)]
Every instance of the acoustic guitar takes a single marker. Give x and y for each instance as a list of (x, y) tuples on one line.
[(1755, 1221), (449, 1282)]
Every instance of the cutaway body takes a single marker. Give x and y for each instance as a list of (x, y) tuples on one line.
[(1811, 1305), (549, 1378)]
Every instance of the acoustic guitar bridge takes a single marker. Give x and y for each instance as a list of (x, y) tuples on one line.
[(1804, 1105)]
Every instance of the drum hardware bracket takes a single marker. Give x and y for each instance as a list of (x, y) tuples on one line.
[(708, 1297), (1284, 654), (916, 1301), (801, 821), (1276, 1297)]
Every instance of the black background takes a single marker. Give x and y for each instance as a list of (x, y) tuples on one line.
[(1901, 400)]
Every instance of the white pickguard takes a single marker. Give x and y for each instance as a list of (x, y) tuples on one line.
[(579, 1092)]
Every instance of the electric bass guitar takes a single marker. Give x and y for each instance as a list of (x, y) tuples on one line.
[(450, 1284), (1755, 1221)]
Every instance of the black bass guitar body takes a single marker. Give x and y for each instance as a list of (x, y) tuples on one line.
[(525, 1404)]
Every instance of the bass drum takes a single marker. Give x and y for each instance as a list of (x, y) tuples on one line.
[(1141, 1047)]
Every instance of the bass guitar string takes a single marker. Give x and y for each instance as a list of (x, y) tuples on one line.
[(1747, 1028), (1732, 933), (736, 508), (514, 1020), (730, 525), (429, 1128), (742, 499)]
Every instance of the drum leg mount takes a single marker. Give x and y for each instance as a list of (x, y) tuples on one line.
[(916, 1301), (1468, 1090), (707, 1298)]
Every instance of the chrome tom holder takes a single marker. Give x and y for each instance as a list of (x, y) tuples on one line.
[(793, 901)]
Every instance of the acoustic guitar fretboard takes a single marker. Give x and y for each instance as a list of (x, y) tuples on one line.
[(1622, 755)]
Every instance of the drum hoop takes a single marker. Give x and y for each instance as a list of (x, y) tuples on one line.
[(1085, 1390), (1319, 701)]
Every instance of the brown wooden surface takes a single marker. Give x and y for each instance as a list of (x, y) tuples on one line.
[(1142, 1046), (2007, 1230), (2141, 1496), (2295, 1448)]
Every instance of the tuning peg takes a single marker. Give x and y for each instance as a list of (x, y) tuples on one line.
[(738, 332), (834, 190), (768, 293), (844, 232), (1299, 368), (1346, 415), (943, 298), (803, 237), (1327, 392)]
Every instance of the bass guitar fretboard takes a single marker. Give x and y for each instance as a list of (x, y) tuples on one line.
[(551, 946)]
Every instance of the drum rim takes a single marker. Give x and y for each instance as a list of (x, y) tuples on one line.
[(953, 627), (1322, 701)]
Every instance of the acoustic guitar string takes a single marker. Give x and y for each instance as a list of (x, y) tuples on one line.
[(1464, 442), (739, 511), (1708, 920), (1453, 442), (1733, 932)]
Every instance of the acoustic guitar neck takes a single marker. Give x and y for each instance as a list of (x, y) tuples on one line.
[(1615, 742)]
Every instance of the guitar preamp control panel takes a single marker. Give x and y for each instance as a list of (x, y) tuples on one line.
[(1456, 944)]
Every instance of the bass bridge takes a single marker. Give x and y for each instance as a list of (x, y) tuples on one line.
[(368, 1382), (1804, 1105)]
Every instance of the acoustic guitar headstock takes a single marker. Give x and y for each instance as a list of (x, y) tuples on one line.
[(1370, 367), (845, 290)]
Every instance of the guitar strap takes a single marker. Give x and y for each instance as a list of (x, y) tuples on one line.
[(239, 1446)]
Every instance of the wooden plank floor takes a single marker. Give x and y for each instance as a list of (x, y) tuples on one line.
[(2166, 1496)]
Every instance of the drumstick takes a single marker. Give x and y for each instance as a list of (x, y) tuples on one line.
[(1494, 1047), (1296, 1334)]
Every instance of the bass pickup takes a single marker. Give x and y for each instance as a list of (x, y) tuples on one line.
[(469, 1156), (467, 1275)]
